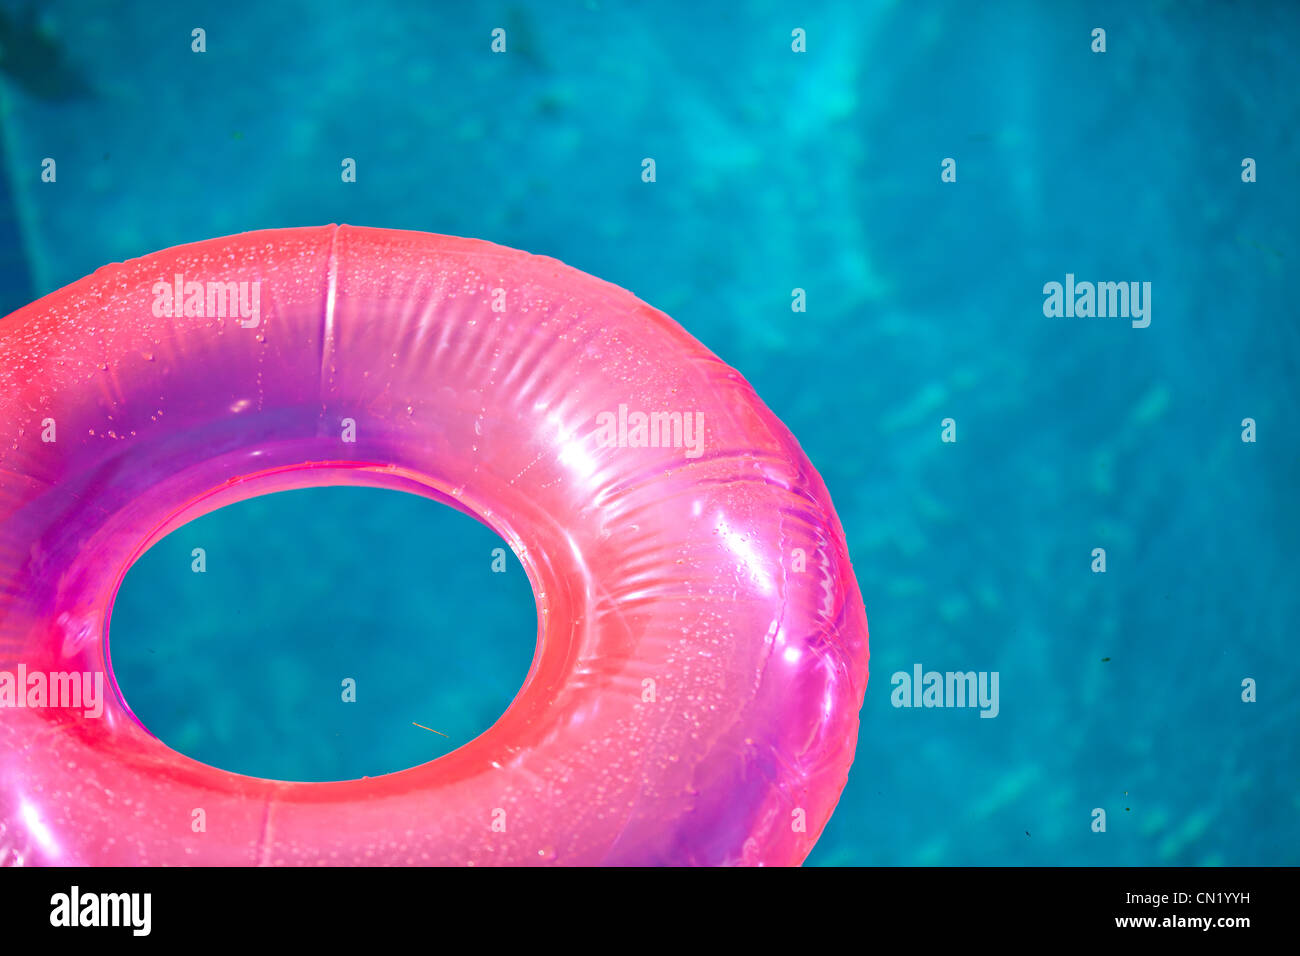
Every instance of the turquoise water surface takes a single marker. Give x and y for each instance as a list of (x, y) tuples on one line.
[(775, 170)]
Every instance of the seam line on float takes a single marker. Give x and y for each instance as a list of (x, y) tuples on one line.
[(327, 318), (264, 837)]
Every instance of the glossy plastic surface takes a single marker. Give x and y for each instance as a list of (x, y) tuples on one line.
[(702, 645)]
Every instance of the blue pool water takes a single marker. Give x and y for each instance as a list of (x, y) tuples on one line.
[(776, 170)]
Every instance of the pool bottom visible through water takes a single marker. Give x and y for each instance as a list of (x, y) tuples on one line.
[(303, 635)]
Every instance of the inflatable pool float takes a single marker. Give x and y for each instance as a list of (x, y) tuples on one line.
[(702, 644)]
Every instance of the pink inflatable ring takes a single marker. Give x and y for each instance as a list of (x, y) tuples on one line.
[(702, 644)]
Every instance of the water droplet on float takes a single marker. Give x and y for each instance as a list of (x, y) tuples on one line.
[(410, 409)]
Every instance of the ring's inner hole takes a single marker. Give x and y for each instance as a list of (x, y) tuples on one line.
[(302, 635)]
